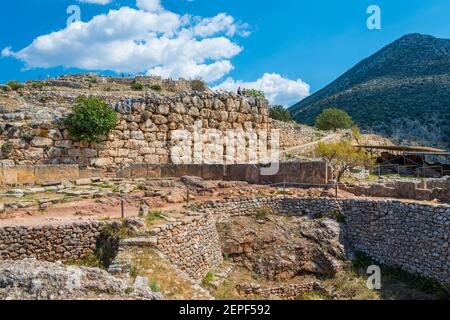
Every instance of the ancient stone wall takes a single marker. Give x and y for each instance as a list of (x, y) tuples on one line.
[(313, 172), (144, 133), (50, 243), (193, 246), (412, 236), (427, 189)]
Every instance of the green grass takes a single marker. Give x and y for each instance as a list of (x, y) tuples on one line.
[(154, 216), (394, 274), (312, 295), (262, 213), (208, 278), (91, 261), (154, 286)]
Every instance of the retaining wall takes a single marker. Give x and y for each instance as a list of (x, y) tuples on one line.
[(192, 246), (50, 243), (427, 189), (412, 236)]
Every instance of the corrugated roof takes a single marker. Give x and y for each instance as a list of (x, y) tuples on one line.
[(403, 148)]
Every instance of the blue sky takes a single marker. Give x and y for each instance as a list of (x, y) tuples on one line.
[(286, 40)]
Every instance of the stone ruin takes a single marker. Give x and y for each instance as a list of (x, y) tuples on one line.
[(31, 130)]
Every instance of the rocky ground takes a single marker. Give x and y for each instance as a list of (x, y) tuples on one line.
[(280, 248), (31, 279), (100, 198)]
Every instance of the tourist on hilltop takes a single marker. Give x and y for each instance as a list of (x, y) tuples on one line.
[(239, 92), (244, 92)]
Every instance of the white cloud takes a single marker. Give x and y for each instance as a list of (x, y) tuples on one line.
[(149, 5), (278, 90), (101, 2), (220, 23), (149, 39)]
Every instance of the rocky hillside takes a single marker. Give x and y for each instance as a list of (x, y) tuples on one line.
[(402, 91)]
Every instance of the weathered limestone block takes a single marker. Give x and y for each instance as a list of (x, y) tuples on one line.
[(25, 175), (41, 142), (69, 172), (9, 175)]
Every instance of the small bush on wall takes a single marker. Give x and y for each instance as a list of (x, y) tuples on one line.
[(91, 119)]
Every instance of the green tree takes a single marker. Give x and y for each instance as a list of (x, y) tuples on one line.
[(91, 118), (280, 113), (342, 157), (256, 93), (333, 119), (356, 134)]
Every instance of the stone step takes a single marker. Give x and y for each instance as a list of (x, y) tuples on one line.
[(139, 242)]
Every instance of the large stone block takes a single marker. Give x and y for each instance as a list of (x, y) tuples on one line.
[(252, 173), (168, 170), (124, 172), (213, 171), (47, 173), (9, 174), (188, 170), (153, 171), (69, 172), (25, 175), (139, 171), (235, 172)]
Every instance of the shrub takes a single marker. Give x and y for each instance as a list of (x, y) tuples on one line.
[(337, 215), (15, 85), (262, 213), (256, 93), (91, 119), (38, 85), (333, 119), (280, 113), (198, 85), (137, 86), (156, 87), (7, 149)]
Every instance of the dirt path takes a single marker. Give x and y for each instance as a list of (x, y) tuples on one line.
[(308, 146)]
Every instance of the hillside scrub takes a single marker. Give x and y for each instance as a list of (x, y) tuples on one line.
[(280, 113)]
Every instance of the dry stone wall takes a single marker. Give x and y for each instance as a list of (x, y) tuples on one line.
[(142, 135), (427, 189), (193, 246), (412, 236), (50, 243)]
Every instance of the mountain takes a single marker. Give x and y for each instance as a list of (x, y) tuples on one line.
[(402, 91)]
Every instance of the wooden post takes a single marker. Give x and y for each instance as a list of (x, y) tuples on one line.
[(122, 206), (187, 195), (337, 188)]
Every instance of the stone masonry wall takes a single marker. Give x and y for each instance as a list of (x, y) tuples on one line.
[(412, 236), (193, 245), (49, 243), (427, 189), (312, 172), (142, 135)]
